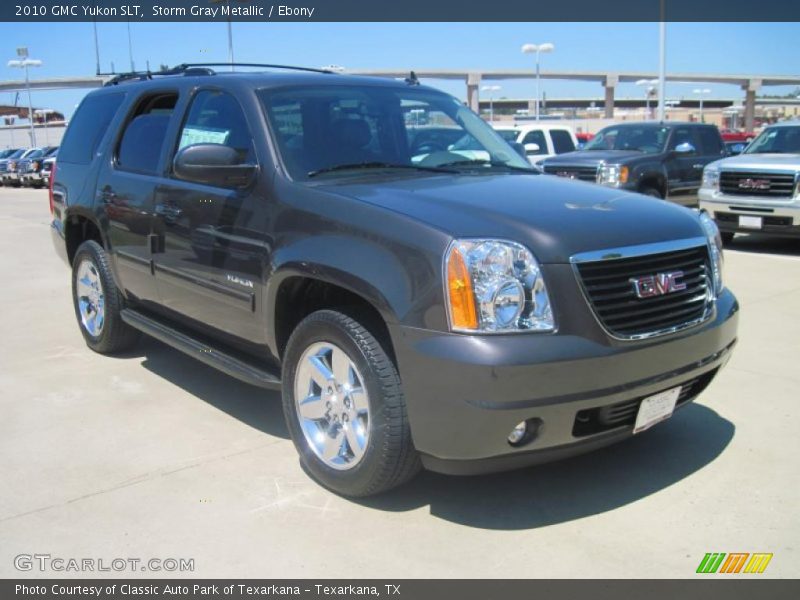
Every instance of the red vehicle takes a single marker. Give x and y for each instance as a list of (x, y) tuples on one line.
[(729, 135), (583, 138)]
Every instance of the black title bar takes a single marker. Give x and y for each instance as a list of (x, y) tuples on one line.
[(399, 10)]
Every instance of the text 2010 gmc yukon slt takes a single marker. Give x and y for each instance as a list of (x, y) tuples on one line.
[(417, 306)]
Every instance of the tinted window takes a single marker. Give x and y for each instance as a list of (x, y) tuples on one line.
[(216, 118), (562, 141), (536, 137), (649, 139), (87, 127), (141, 144), (682, 135), (710, 141)]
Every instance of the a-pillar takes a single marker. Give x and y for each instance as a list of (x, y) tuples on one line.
[(750, 103), (473, 86), (610, 84)]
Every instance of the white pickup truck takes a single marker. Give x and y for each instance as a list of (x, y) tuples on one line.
[(758, 190), (541, 140)]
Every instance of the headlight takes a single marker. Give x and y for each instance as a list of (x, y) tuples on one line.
[(613, 175), (35, 165), (495, 286), (714, 249), (711, 178)]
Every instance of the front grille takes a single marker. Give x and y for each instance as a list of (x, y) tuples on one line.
[(573, 172), (753, 183), (623, 414), (611, 293)]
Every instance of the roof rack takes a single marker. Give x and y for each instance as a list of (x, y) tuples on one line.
[(200, 69)]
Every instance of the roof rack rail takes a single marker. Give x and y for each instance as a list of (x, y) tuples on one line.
[(147, 75), (263, 65), (200, 69)]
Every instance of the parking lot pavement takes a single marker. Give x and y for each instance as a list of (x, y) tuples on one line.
[(153, 455)]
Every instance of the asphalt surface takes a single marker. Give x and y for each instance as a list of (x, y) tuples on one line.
[(153, 455)]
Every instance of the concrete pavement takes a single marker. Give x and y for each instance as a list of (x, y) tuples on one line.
[(153, 455)]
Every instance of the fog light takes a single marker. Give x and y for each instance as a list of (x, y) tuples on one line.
[(518, 434)]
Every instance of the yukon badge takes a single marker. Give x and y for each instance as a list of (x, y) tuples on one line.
[(659, 284), (239, 280)]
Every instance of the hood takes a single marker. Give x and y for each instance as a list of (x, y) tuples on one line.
[(766, 162), (593, 157), (555, 218)]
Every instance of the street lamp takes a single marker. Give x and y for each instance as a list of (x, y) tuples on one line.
[(44, 112), (490, 89), (701, 93), (649, 92), (24, 63), (537, 49)]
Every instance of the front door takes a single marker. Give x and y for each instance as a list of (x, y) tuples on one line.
[(682, 176), (215, 250)]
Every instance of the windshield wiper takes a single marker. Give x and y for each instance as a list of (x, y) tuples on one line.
[(374, 165), (480, 162)]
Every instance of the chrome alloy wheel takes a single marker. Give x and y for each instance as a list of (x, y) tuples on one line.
[(332, 405), (91, 300)]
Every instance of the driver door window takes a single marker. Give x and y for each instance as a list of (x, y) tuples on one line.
[(535, 137)]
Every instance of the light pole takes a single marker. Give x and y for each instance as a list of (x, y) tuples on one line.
[(44, 112), (490, 89), (701, 93), (537, 49), (662, 62), (649, 91), (24, 63)]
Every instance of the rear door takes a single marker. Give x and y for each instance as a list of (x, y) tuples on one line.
[(563, 141), (213, 238), (125, 188)]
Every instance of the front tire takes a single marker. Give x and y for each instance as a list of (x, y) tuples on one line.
[(98, 303), (344, 407)]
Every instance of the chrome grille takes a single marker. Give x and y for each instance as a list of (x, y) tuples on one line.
[(754, 183), (572, 172), (610, 291)]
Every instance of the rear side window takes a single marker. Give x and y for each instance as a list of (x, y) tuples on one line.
[(87, 127), (562, 141), (710, 141), (141, 144)]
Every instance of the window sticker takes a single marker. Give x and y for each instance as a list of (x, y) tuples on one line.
[(203, 135)]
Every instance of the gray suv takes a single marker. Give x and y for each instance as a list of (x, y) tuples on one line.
[(417, 306)]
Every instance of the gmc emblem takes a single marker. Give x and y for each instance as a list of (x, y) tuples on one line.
[(754, 184), (659, 284)]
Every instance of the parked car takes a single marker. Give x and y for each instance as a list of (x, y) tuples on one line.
[(9, 169), (583, 139), (664, 160), (10, 155), (540, 140), (463, 315), (757, 191), (48, 164), (29, 169), (731, 135), (5, 153)]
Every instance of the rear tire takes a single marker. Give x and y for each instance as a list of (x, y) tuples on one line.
[(353, 435), (98, 302)]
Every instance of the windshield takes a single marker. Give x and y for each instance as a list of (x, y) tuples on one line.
[(509, 135), (17, 153), (776, 140), (35, 154), (339, 129), (649, 139)]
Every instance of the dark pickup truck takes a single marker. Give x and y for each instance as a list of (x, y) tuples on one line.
[(664, 160), (416, 306)]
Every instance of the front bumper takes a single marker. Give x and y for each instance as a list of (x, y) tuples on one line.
[(779, 217), (464, 394)]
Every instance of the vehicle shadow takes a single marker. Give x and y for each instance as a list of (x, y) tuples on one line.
[(575, 488), (256, 407), (763, 244)]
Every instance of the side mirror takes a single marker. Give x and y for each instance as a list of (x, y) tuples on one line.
[(532, 148), (685, 148), (736, 149), (213, 164), (518, 148)]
